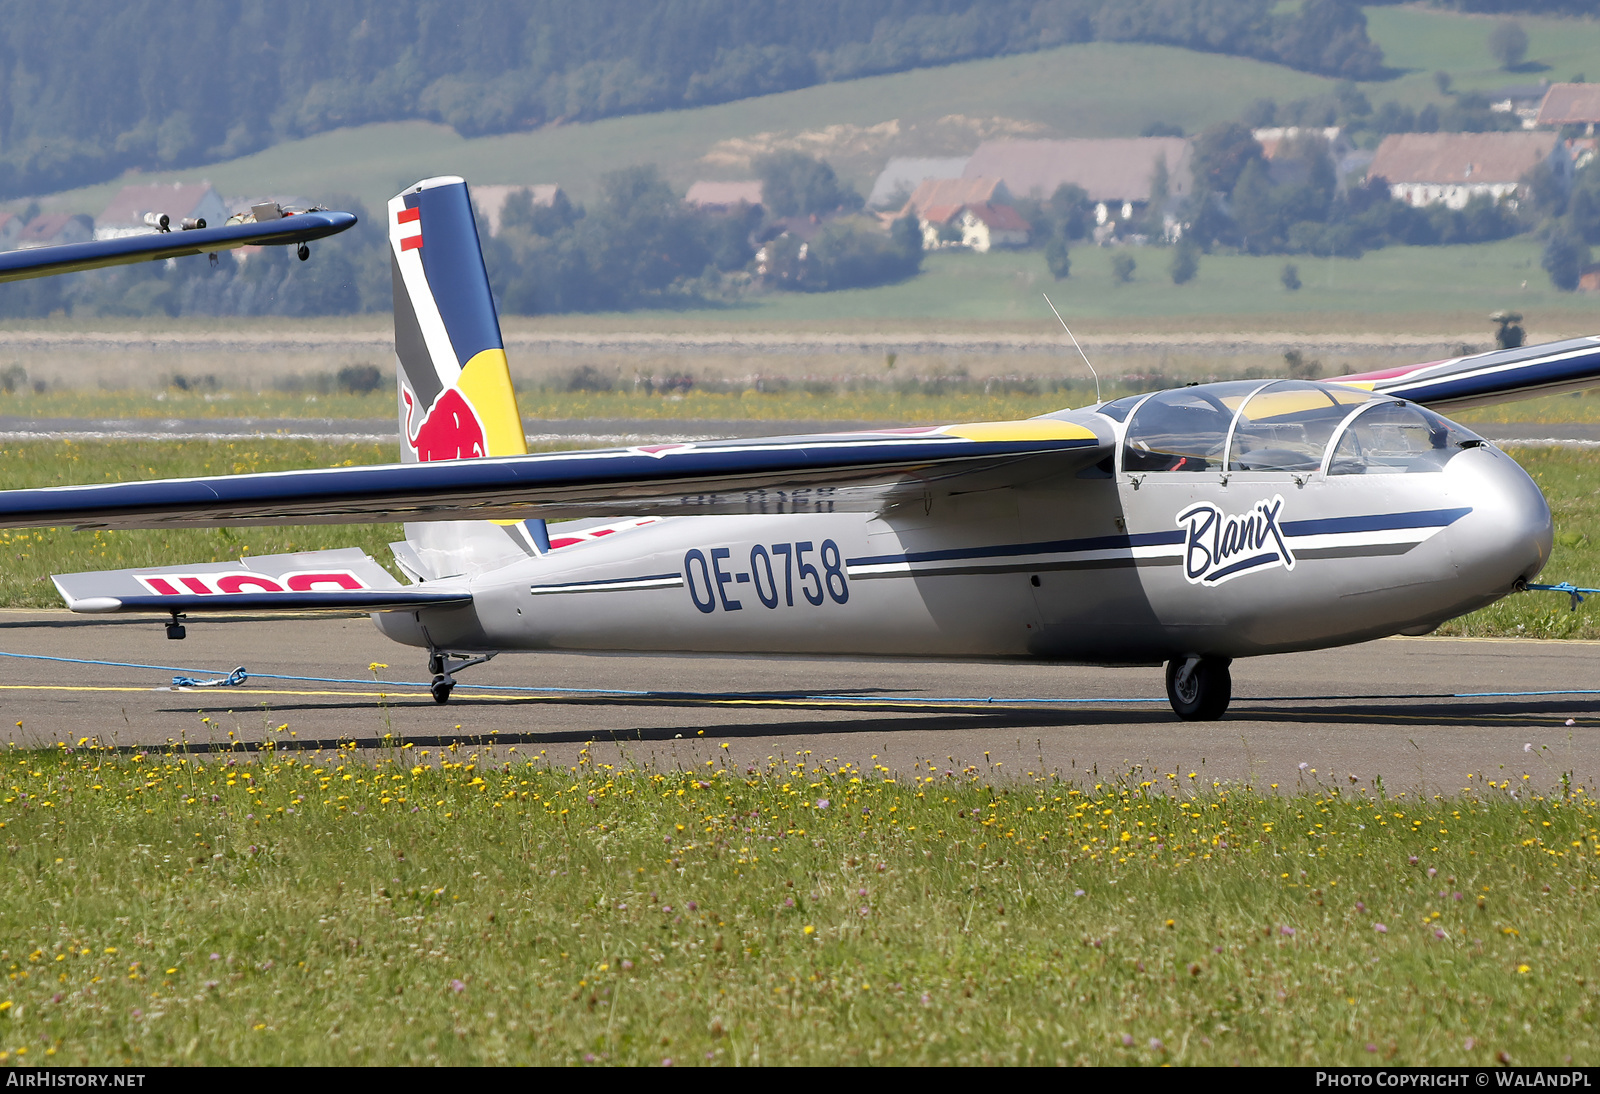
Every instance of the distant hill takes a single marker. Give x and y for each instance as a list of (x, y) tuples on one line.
[(93, 89)]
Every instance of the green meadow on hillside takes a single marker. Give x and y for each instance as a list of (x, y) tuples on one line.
[(1421, 42), (1082, 90), (1460, 285), (1091, 90)]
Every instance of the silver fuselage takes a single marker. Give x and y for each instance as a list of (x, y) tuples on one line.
[(1098, 566)]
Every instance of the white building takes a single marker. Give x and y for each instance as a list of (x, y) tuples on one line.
[(1424, 169)]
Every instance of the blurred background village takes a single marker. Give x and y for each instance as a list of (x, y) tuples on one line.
[(1190, 182)]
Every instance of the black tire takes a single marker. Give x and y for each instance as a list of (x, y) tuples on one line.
[(1207, 693), (441, 689)]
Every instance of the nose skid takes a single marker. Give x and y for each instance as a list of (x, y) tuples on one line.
[(1507, 537)]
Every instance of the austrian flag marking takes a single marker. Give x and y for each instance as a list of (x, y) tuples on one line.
[(410, 216)]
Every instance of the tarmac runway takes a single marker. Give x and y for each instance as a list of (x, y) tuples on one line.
[(1421, 712)]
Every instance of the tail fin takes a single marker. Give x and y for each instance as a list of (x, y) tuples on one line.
[(456, 399)]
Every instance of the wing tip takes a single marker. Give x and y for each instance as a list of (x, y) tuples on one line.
[(94, 605)]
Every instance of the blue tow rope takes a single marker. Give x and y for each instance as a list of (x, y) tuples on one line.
[(1565, 587), (232, 680)]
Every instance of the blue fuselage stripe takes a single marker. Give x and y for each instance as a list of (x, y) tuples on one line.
[(1377, 522), (610, 581), (1432, 518)]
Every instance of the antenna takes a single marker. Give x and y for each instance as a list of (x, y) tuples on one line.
[(1085, 356)]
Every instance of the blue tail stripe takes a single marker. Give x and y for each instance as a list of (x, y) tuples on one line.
[(453, 263)]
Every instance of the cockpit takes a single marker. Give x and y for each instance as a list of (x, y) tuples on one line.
[(1282, 425)]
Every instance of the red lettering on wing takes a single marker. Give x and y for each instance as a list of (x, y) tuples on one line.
[(308, 582), (236, 583)]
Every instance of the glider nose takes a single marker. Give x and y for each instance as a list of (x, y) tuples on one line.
[(1507, 536)]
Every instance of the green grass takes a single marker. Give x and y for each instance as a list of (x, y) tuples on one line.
[(152, 404), (1570, 479), (323, 908), (1459, 285), (1577, 406), (30, 556), (1424, 42)]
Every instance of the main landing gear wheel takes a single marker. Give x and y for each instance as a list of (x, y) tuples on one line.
[(1199, 688), (444, 665), (441, 689)]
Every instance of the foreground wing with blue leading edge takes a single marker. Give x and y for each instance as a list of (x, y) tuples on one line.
[(843, 472), (1495, 377)]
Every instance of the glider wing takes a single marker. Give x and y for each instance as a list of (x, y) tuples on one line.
[(72, 257), (843, 472), (1495, 377)]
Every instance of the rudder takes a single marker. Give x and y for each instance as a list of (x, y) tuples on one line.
[(455, 393)]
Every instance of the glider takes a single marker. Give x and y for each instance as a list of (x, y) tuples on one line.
[(1189, 526)]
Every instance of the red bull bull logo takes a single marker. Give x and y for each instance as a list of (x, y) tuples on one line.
[(449, 429)]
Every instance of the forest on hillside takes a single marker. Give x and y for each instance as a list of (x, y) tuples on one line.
[(92, 89)]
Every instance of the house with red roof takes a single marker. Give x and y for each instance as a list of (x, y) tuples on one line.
[(719, 197), (50, 229), (971, 212)]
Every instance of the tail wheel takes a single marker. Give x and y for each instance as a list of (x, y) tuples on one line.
[(1199, 688), (441, 689)]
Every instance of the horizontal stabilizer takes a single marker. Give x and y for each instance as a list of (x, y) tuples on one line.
[(343, 580), (187, 603), (72, 257), (1499, 376)]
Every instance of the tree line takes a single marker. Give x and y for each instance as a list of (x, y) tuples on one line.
[(637, 245), (94, 89)]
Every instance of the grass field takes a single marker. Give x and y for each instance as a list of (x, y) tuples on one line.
[(1457, 286), (484, 907), (1570, 479), (30, 556), (1421, 42)]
